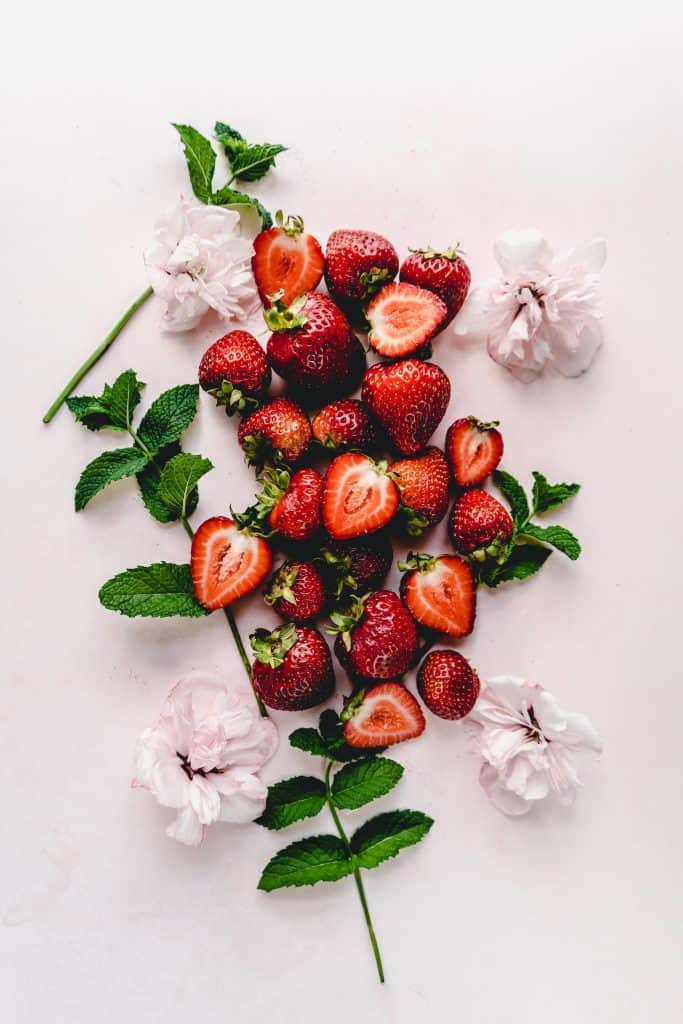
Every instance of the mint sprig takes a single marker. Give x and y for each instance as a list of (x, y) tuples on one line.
[(248, 162)]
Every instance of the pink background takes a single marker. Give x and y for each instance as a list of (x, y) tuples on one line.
[(430, 129)]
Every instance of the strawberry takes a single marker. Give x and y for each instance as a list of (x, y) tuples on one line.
[(473, 449), (403, 318), (226, 562), (235, 371), (286, 260), (382, 716), (358, 263), (423, 483), (313, 348), (289, 503), (358, 496), (444, 273), (346, 423), (297, 591), (479, 522), (409, 399), (292, 670), (440, 593), (280, 428), (377, 638), (354, 567), (447, 684)]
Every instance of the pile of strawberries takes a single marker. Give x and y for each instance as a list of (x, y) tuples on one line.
[(334, 525)]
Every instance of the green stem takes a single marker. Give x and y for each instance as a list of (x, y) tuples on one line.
[(356, 875), (96, 355)]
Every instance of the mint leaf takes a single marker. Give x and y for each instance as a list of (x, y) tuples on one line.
[(357, 784), (311, 860), (122, 398), (148, 481), (201, 161), (387, 834), (514, 493), (179, 479), (231, 197), (158, 590), (104, 470), (247, 162), (92, 412), (291, 800), (547, 496), (168, 417), (310, 741), (524, 561), (557, 536)]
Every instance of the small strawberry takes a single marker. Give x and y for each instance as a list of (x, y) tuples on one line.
[(313, 348), (286, 260), (444, 273), (440, 593), (473, 449), (358, 496), (293, 667), (235, 371), (423, 482), (346, 423), (357, 264), (280, 428), (226, 562), (355, 567), (289, 504), (377, 638), (297, 591), (409, 399), (403, 319), (479, 523), (447, 684), (382, 716)]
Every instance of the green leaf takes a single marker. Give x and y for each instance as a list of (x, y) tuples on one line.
[(524, 561), (547, 496), (201, 161), (311, 860), (179, 479), (387, 834), (247, 162), (514, 493), (92, 412), (357, 784), (557, 536), (123, 397), (158, 590), (168, 416), (104, 470), (231, 197), (310, 741), (292, 800)]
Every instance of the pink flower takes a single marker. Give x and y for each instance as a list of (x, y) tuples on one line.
[(527, 744), (200, 261), (203, 756), (541, 312)]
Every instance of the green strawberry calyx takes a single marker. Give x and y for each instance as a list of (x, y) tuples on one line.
[(418, 561), (272, 648), (343, 622), (453, 253), (292, 225), (254, 519), (282, 584), (353, 705), (280, 317)]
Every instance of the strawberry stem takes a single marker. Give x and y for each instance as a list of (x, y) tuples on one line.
[(96, 355), (356, 874)]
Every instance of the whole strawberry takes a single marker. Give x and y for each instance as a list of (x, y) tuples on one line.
[(235, 371), (288, 504), (409, 399), (297, 591), (280, 428), (423, 482), (354, 567), (346, 423), (292, 669), (377, 638), (287, 260), (479, 523), (313, 348), (473, 449), (447, 684), (444, 273), (357, 264)]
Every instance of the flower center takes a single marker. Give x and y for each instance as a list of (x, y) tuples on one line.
[(191, 772), (534, 729)]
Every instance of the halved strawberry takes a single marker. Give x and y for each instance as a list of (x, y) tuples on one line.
[(473, 449), (286, 260), (403, 318), (384, 715), (226, 563), (440, 593), (358, 496)]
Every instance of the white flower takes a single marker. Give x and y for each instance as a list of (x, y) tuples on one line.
[(200, 261), (542, 311), (527, 744), (203, 755)]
